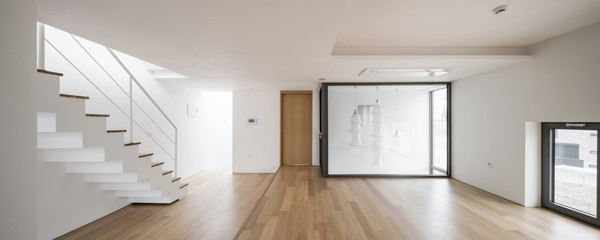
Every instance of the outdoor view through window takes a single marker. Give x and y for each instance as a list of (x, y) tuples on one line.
[(575, 169)]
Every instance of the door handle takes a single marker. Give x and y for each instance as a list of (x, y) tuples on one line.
[(320, 135)]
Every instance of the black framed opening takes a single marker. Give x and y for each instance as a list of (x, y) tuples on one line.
[(426, 103), (570, 169)]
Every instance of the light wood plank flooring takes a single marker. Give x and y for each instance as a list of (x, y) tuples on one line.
[(216, 207), (299, 204)]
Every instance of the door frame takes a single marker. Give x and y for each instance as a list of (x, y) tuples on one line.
[(547, 197), (299, 92)]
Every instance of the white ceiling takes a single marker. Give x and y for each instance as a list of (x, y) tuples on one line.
[(461, 23), (292, 43)]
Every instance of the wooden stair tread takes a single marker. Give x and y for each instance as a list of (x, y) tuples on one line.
[(116, 131), (143, 155), (73, 96), (175, 179), (154, 164), (132, 144), (49, 72), (167, 172), (183, 185), (96, 115)]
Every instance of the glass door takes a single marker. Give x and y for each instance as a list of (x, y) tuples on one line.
[(570, 169), (439, 131)]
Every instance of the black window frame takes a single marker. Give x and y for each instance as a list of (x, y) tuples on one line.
[(547, 198), (323, 142)]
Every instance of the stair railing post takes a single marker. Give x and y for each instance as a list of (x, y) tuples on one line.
[(130, 109), (175, 158)]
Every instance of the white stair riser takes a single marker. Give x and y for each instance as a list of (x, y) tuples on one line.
[(63, 106), (48, 99), (141, 186), (115, 141), (87, 124), (70, 109), (169, 187), (60, 140), (141, 194), (46, 122), (47, 85), (103, 167), (54, 140), (109, 166), (92, 154), (113, 177), (164, 199), (157, 179)]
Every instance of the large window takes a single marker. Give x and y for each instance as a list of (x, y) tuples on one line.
[(385, 129), (569, 169)]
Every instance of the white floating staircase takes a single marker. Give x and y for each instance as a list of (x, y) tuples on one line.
[(68, 136)]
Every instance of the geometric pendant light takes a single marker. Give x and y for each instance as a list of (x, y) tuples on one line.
[(377, 134), (355, 128)]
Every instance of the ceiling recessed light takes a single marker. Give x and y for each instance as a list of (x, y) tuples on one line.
[(500, 9), (402, 72)]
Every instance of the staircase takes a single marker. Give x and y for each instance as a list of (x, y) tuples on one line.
[(67, 135)]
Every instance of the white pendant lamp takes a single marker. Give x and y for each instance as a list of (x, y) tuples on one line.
[(355, 128), (377, 134), (396, 135)]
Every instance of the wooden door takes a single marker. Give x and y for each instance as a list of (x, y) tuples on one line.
[(296, 127)]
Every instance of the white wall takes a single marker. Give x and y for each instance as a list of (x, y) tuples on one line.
[(262, 141), (490, 111), (533, 162), (18, 119), (256, 147)]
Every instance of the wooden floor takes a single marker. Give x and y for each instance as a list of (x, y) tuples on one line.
[(216, 207), (299, 204)]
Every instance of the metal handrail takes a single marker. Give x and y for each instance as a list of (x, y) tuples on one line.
[(132, 78), (130, 95), (140, 86)]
